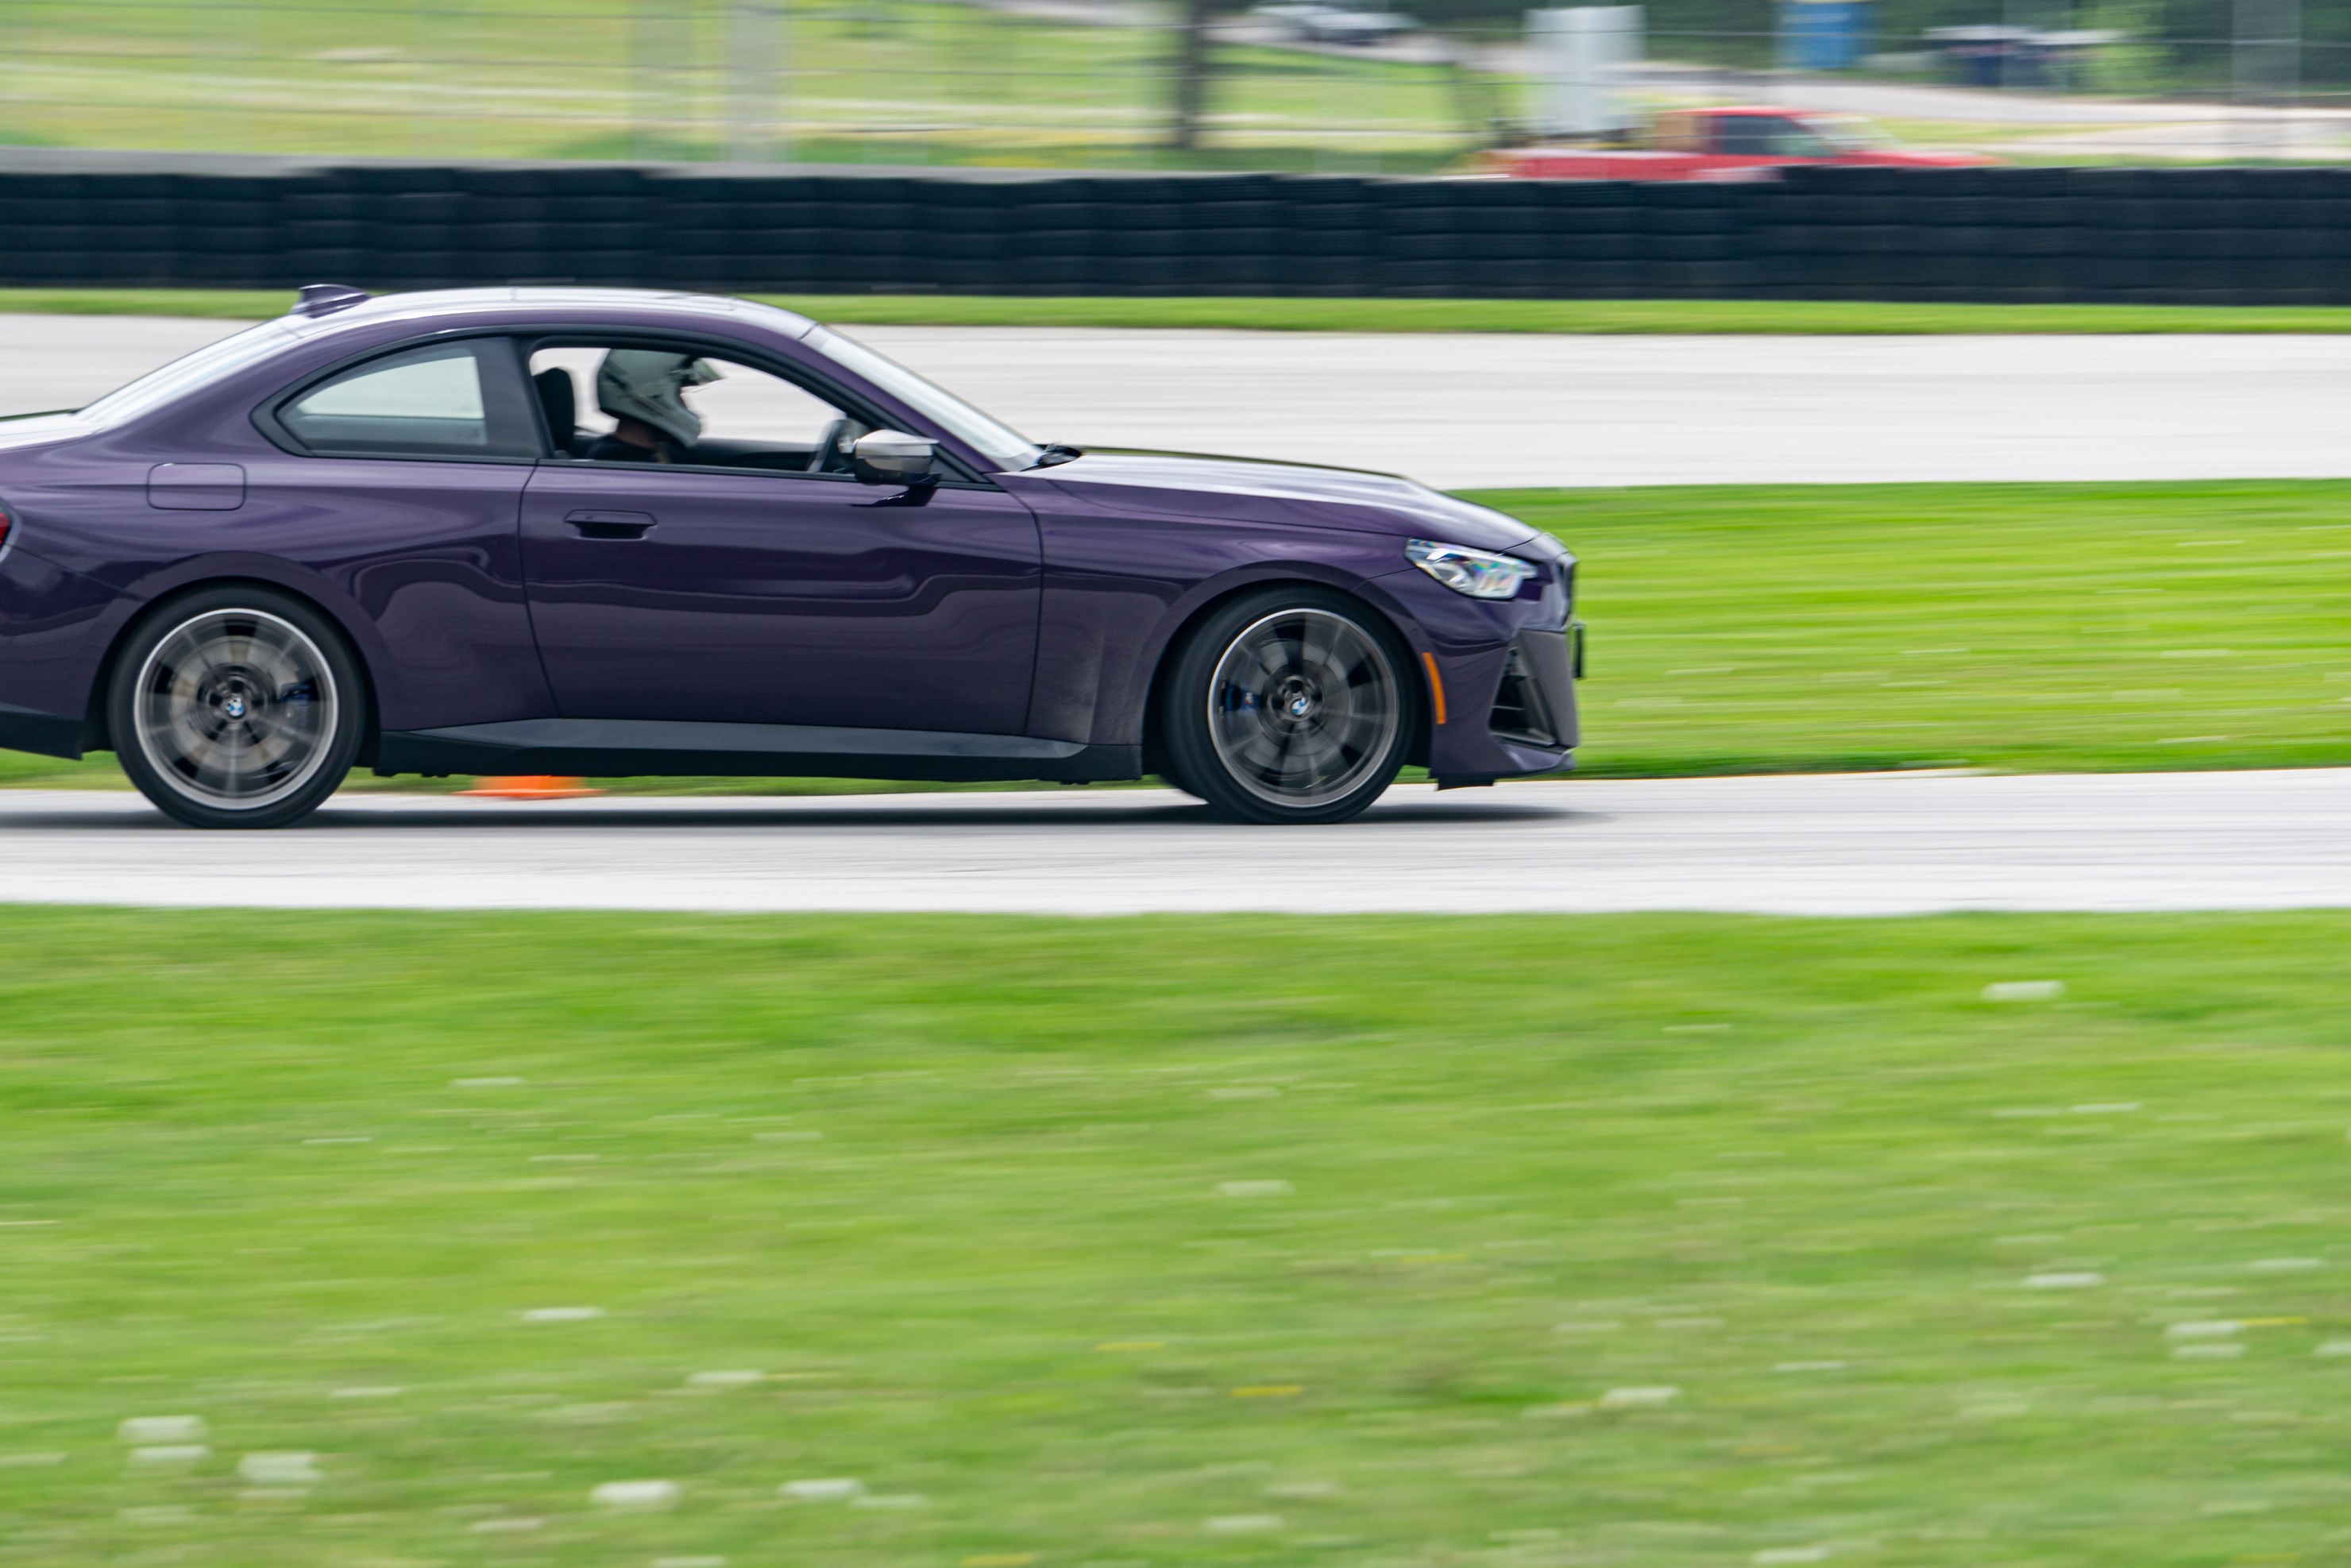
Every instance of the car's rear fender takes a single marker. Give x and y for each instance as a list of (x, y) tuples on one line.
[(52, 622), (130, 611)]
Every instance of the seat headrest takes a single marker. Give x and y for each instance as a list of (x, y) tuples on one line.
[(560, 399)]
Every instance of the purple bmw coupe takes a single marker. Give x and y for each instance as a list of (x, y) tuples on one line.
[(572, 530)]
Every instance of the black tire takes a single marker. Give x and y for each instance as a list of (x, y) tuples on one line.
[(236, 706), (1290, 704), (1174, 781)]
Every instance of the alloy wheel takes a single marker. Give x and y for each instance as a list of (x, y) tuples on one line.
[(236, 709), (1304, 706)]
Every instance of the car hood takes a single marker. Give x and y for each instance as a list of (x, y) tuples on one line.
[(1234, 489)]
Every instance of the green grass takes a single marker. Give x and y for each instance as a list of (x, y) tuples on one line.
[(956, 1188), (2018, 626), (884, 81), (2037, 627), (22, 769), (217, 304), (1606, 317), (881, 81)]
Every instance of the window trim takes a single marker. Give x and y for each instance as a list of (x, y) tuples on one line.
[(502, 382), (961, 476)]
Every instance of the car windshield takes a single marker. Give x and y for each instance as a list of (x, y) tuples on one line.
[(1001, 444), (206, 364)]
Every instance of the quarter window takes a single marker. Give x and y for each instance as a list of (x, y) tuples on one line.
[(440, 402)]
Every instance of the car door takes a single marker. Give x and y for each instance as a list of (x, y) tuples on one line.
[(721, 582)]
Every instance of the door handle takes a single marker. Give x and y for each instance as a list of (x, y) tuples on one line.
[(610, 525)]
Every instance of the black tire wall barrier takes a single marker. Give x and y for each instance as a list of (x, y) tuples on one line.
[(2233, 237)]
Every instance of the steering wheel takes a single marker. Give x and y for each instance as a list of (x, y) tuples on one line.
[(829, 456)]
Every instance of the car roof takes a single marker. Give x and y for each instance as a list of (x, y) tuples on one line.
[(610, 305)]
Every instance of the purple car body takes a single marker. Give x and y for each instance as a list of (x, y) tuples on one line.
[(530, 612)]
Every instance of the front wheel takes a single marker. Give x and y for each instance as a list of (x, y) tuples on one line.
[(235, 707), (1289, 705)]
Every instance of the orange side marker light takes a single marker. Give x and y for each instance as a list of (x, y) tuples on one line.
[(1435, 685)]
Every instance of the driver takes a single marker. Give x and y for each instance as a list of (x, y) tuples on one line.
[(641, 388)]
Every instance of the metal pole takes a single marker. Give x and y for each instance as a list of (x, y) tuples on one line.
[(419, 63), (1326, 121), (639, 69), (1191, 74), (749, 40), (783, 79), (2265, 65), (188, 80), (476, 57), (663, 92)]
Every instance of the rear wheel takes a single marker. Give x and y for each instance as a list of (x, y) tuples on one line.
[(1289, 705), (235, 707)]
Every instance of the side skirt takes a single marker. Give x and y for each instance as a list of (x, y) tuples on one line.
[(616, 748), (49, 734)]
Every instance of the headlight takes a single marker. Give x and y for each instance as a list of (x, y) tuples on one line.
[(1480, 574)]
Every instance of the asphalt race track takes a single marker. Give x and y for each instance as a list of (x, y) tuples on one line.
[(1460, 411), (1838, 845), (1456, 411)]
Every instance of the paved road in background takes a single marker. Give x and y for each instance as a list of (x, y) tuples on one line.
[(1459, 411), (1855, 845)]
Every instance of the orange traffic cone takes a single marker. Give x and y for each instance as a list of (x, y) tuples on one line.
[(530, 787)]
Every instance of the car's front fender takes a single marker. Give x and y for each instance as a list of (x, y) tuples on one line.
[(1118, 590)]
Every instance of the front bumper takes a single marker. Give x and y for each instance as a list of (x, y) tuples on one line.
[(1531, 724), (1507, 672), (1535, 704)]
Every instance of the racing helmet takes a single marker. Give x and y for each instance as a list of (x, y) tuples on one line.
[(645, 384)]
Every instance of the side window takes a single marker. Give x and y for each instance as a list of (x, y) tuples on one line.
[(1799, 140), (451, 399), (628, 403), (1746, 136), (1770, 136)]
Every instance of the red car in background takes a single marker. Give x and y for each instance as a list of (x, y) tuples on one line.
[(1726, 144)]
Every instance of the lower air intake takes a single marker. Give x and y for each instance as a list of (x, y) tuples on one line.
[(1519, 711)]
